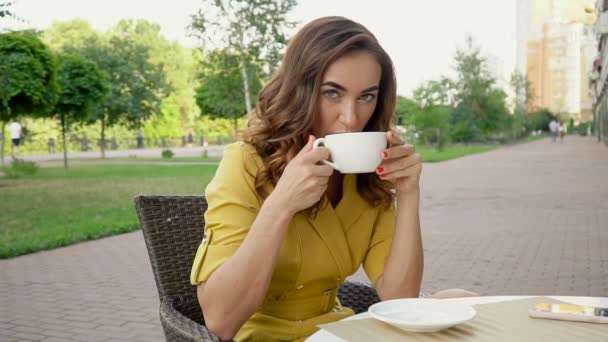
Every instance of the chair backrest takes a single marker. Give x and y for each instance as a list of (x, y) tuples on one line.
[(173, 229)]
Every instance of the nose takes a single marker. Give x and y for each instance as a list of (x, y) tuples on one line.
[(348, 116)]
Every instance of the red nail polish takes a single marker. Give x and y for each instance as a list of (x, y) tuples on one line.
[(380, 169), (385, 154)]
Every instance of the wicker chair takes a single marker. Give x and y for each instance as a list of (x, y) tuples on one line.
[(172, 227)]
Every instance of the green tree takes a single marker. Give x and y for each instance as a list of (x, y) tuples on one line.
[(27, 78), (435, 93), (539, 120), (475, 90), (462, 126), (82, 87), (524, 94), (6, 9), (252, 30), (496, 114), (406, 110), (433, 125), (137, 85), (219, 94), (168, 69), (522, 87), (69, 37), (432, 120), (168, 124), (179, 108)]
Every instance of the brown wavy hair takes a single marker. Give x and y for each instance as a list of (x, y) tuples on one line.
[(288, 104)]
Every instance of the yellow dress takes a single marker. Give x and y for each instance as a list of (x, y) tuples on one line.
[(315, 259)]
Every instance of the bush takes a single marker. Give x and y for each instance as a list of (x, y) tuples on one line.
[(167, 154), (20, 168), (581, 129), (433, 124), (538, 120)]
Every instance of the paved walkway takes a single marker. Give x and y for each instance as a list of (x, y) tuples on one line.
[(195, 151), (524, 219)]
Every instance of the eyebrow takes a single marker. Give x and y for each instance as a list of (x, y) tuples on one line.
[(336, 85)]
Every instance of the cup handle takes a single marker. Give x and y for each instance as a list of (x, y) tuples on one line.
[(316, 144)]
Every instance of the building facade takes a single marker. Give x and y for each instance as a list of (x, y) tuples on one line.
[(559, 59)]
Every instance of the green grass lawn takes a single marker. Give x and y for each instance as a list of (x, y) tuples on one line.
[(531, 138), (54, 208), (431, 154), (174, 159), (110, 161)]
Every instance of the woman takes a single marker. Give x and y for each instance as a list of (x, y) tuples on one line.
[(283, 231)]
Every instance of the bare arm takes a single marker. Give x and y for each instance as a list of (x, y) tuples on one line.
[(404, 266)]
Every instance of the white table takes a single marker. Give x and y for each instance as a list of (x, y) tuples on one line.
[(326, 336)]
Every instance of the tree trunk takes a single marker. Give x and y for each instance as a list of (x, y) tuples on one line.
[(65, 145), (236, 126), (245, 82), (2, 144), (103, 137), (598, 126)]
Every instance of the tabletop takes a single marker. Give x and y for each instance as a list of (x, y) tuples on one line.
[(325, 336)]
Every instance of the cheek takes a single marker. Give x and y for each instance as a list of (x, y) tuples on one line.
[(325, 117), (365, 113), (328, 111)]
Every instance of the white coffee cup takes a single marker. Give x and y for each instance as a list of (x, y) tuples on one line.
[(357, 152)]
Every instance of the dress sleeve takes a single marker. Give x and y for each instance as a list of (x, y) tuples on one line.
[(232, 207), (380, 244)]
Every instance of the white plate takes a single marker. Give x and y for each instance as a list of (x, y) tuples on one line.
[(422, 314)]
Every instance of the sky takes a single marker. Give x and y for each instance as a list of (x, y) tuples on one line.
[(420, 36)]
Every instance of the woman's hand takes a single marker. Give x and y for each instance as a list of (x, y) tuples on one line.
[(303, 181), (401, 165)]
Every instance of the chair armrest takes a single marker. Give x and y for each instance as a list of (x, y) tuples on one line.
[(357, 296), (179, 328)]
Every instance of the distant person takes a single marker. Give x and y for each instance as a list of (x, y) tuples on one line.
[(85, 143), (51, 144), (16, 132), (553, 128), (140, 138), (190, 139), (561, 132)]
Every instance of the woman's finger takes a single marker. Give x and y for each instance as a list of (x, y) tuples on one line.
[(408, 172), (394, 139), (398, 152), (398, 164)]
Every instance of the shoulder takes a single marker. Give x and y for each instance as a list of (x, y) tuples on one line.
[(234, 178), (239, 165), (242, 155)]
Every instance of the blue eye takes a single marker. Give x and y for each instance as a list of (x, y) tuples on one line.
[(331, 93), (367, 97)]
